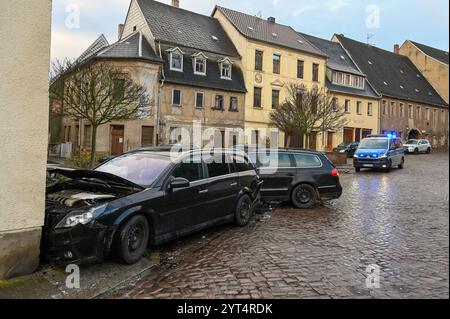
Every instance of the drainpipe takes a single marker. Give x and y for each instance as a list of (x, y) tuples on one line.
[(158, 106)]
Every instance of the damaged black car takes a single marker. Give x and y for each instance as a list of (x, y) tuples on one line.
[(142, 198)]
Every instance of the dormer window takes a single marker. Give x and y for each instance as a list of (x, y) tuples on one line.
[(199, 63), (176, 59), (225, 68), (345, 79)]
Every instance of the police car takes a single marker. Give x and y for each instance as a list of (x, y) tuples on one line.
[(379, 151)]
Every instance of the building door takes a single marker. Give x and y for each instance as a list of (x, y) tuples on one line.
[(357, 135), (366, 132), (312, 141), (117, 139), (147, 136), (348, 135), (296, 141), (330, 141)]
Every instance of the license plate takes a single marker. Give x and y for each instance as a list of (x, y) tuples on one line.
[(368, 165)]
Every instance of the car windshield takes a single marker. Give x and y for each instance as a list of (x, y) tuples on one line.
[(413, 142), (140, 168), (374, 144), (343, 145)]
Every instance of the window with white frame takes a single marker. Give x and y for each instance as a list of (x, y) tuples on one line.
[(359, 107), (347, 106), (225, 69), (346, 79), (200, 64), (199, 100), (369, 109), (176, 60)]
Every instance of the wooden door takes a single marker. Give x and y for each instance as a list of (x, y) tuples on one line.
[(330, 141), (348, 135), (117, 139), (147, 136), (312, 141)]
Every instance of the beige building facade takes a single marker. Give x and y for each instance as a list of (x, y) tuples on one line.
[(25, 55)]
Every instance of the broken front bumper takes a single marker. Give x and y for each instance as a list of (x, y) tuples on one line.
[(82, 244)]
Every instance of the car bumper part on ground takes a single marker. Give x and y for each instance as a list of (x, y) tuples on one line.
[(78, 245)]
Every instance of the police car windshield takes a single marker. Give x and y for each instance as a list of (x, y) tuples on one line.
[(374, 144)]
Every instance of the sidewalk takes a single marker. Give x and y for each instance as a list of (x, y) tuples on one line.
[(95, 280)]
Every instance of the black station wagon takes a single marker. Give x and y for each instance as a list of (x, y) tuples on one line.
[(142, 198), (300, 176)]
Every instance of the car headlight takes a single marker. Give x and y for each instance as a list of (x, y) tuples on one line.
[(342, 151), (79, 217), (383, 156), (356, 156)]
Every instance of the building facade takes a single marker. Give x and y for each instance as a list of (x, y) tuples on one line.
[(431, 62), (23, 125), (410, 107), (352, 91), (273, 56)]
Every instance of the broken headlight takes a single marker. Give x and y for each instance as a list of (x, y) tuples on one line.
[(78, 217)]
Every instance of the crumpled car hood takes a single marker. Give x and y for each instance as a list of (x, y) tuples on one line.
[(74, 174)]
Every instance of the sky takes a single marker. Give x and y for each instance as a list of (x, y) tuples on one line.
[(77, 23)]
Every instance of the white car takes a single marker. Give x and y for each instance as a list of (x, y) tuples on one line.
[(417, 146)]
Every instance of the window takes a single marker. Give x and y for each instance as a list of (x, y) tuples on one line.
[(402, 110), (87, 136), (257, 96), (307, 160), (284, 160), (233, 104), (358, 108), (276, 63), (443, 117), (347, 106), (118, 89), (190, 169), (434, 119), (259, 60), (218, 104), (225, 70), (147, 136), (176, 97), (218, 166), (392, 110), (384, 108), (200, 65), (300, 69), (242, 164), (418, 113), (428, 114), (335, 104), (348, 79), (410, 111), (275, 98), (176, 61), (199, 100), (369, 109), (315, 75)]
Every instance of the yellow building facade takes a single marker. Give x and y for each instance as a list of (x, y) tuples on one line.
[(270, 64)]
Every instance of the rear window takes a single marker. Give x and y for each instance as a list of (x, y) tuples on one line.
[(242, 163), (307, 160), (218, 166)]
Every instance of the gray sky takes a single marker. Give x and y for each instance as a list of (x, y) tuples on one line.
[(77, 23)]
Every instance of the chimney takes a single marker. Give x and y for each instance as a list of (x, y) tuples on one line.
[(271, 19), (120, 31), (176, 3), (396, 49)]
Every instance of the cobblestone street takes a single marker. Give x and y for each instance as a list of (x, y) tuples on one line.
[(398, 221)]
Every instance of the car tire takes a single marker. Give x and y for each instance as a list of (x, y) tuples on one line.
[(131, 240), (416, 151), (304, 196), (402, 165), (357, 169), (428, 150), (389, 166), (243, 211)]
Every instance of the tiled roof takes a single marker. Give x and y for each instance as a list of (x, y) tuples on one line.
[(391, 74), (135, 46), (212, 79), (100, 43), (180, 27), (263, 30), (437, 54)]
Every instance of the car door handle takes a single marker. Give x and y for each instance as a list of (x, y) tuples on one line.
[(203, 191), (233, 184)]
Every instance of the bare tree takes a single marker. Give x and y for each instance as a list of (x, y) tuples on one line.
[(306, 111), (98, 93)]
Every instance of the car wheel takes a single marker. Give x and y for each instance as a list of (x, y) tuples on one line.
[(428, 150), (131, 240), (402, 165), (304, 196), (416, 151), (389, 166), (357, 169), (244, 211)]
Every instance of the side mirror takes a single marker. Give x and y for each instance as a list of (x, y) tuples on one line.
[(179, 183)]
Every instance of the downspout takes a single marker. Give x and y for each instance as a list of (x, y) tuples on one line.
[(158, 106)]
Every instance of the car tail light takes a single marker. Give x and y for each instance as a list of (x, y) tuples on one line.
[(335, 172)]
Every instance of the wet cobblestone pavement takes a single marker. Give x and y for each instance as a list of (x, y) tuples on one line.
[(398, 221)]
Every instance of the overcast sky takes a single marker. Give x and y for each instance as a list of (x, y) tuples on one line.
[(386, 22)]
